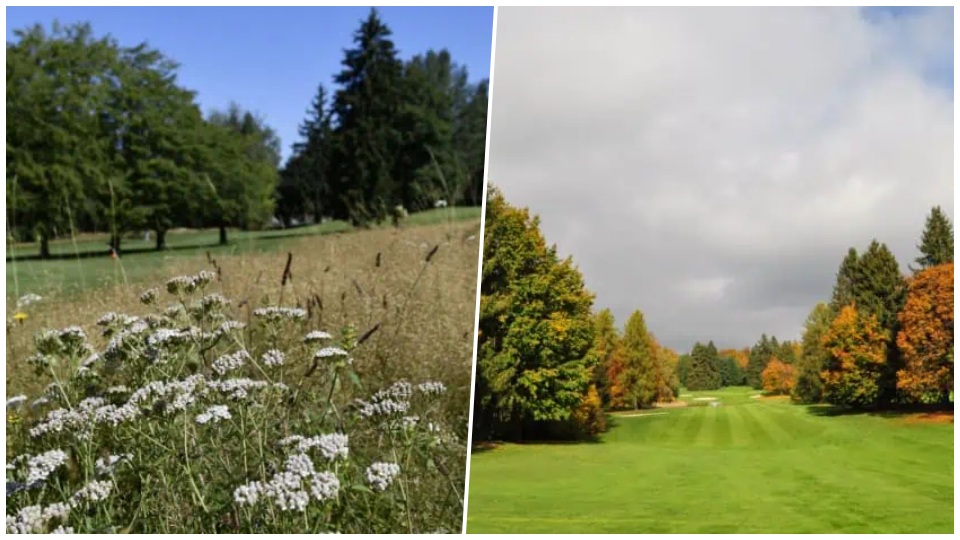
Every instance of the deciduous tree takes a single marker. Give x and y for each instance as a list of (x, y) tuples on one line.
[(536, 329), (778, 377), (926, 336), (856, 347)]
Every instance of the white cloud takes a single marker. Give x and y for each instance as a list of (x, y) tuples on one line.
[(734, 154)]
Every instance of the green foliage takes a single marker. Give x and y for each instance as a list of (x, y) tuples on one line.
[(730, 372), (936, 245), (639, 374), (760, 356), (704, 371), (536, 330), (683, 368), (809, 386)]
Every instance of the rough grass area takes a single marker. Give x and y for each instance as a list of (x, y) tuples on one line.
[(400, 302), (746, 466), (83, 262)]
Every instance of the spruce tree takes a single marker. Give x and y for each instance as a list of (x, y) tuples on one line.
[(704, 370), (936, 245), (366, 112), (847, 277), (760, 356)]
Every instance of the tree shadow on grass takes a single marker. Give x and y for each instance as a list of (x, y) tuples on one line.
[(101, 254), (902, 411)]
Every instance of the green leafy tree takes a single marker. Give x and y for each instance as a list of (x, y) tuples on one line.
[(936, 245), (245, 176), (56, 154), (704, 371), (535, 330), (809, 386), (760, 356), (639, 377)]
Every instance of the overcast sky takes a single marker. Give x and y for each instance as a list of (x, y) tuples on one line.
[(711, 167)]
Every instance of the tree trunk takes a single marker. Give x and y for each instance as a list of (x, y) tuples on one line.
[(161, 240), (223, 234), (44, 246), (115, 243)]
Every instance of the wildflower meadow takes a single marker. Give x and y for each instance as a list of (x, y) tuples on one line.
[(194, 411)]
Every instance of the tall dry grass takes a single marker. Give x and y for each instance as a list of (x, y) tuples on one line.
[(404, 301)]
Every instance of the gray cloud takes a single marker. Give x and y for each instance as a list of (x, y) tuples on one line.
[(711, 167)]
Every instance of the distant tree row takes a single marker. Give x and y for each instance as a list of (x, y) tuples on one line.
[(100, 137), (393, 135)]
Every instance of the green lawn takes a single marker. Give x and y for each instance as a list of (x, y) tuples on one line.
[(72, 273), (747, 466)]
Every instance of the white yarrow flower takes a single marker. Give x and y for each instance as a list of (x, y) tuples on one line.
[(381, 475), (317, 336), (214, 414), (273, 358)]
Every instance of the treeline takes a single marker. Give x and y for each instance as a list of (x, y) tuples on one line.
[(884, 339), (101, 137), (547, 366)]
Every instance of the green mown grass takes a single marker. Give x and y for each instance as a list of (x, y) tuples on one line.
[(76, 272), (747, 466)]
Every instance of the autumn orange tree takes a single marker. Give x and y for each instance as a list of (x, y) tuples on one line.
[(856, 357), (778, 377), (925, 339), (667, 381), (608, 350)]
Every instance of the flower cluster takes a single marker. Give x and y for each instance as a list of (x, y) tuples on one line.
[(36, 518), (275, 314), (432, 388), (387, 402), (230, 362), (189, 284), (28, 299), (317, 336), (272, 358), (381, 475), (291, 488), (214, 414)]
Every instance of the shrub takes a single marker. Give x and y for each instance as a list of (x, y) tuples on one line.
[(590, 418), (191, 421)]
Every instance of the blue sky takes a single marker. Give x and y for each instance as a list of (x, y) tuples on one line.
[(270, 60)]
